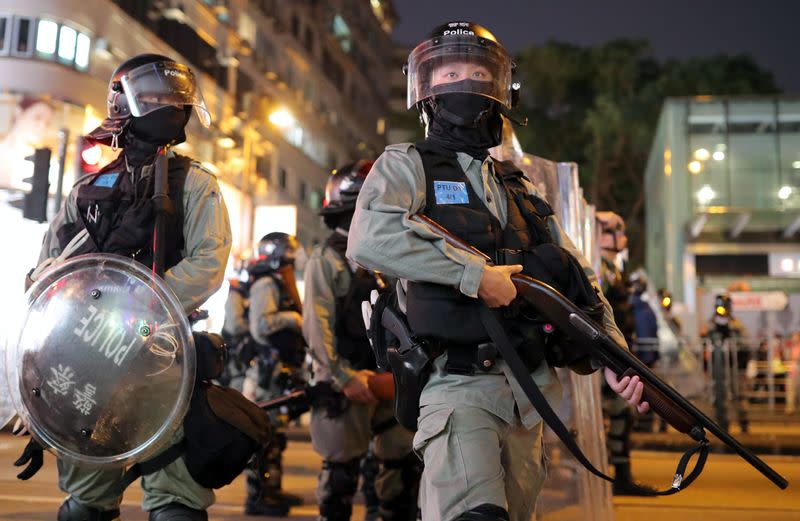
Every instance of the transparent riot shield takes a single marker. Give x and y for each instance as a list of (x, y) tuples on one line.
[(102, 366), (570, 493), (7, 411)]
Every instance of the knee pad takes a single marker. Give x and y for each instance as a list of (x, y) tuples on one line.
[(342, 477), (71, 510), (484, 512), (177, 512)]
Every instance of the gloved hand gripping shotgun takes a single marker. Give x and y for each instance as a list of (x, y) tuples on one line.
[(589, 338)]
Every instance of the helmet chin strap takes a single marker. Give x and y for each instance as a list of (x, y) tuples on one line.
[(514, 116)]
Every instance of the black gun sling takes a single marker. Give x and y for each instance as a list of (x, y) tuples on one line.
[(498, 335)]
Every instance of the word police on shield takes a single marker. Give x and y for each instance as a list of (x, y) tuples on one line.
[(102, 367)]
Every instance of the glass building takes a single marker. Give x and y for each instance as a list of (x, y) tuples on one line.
[(723, 196)]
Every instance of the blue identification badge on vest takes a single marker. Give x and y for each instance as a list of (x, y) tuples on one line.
[(450, 192), (106, 180)]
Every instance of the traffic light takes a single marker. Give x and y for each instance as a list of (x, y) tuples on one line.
[(35, 204), (90, 155)]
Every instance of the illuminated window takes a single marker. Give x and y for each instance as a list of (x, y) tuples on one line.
[(66, 43), (342, 33), (82, 51), (46, 37)]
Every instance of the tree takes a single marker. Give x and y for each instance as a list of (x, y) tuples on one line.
[(599, 107)]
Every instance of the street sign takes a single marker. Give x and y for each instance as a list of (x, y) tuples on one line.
[(759, 301)]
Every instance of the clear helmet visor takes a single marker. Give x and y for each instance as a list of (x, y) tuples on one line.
[(156, 85), (442, 64)]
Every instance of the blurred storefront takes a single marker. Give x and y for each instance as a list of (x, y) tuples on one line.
[(723, 203), (294, 89)]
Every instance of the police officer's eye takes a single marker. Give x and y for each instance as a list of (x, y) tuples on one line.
[(451, 75), (478, 74)]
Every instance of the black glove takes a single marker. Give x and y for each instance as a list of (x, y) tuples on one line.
[(33, 456)]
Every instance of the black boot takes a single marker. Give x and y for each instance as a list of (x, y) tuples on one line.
[(624, 485), (177, 512), (264, 478), (71, 510), (293, 500)]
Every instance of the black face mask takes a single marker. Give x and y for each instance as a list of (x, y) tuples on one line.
[(464, 122), (161, 127)]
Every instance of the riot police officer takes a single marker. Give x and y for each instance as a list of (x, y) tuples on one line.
[(614, 242), (478, 434), (333, 327), (150, 100), (275, 321)]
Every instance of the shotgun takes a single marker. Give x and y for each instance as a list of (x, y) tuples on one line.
[(583, 331)]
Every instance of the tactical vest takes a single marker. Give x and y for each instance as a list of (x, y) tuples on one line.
[(351, 335), (444, 313), (116, 209)]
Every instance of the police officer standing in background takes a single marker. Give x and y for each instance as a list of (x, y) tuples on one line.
[(341, 353), (150, 101), (613, 241), (478, 434), (275, 322)]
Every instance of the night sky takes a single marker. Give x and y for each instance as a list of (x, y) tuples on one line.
[(768, 30)]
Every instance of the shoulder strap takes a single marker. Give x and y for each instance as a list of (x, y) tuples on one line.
[(148, 467), (499, 337)]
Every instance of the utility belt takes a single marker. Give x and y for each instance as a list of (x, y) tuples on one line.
[(410, 358)]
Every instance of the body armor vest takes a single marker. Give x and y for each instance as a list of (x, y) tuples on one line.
[(351, 335), (116, 209), (444, 313)]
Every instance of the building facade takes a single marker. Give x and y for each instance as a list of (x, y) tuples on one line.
[(723, 199), (295, 88)]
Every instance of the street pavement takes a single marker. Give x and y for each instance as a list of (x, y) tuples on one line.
[(728, 490)]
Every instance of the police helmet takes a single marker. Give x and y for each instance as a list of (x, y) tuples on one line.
[(275, 250), (460, 57), (143, 84), (343, 186)]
